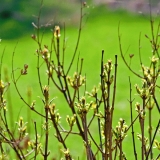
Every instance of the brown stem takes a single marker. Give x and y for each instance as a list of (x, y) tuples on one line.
[(47, 133), (39, 45), (114, 88), (121, 153), (150, 130), (120, 47), (95, 143), (12, 140), (16, 87), (59, 136), (64, 45), (157, 127), (78, 39), (142, 131), (105, 106), (36, 142), (131, 115), (87, 145)]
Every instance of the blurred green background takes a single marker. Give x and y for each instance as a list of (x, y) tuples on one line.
[(16, 16), (99, 31)]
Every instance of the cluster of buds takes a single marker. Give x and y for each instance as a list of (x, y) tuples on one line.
[(139, 136), (4, 156), (46, 127), (120, 131), (57, 118), (66, 153), (99, 114), (154, 60), (24, 70), (1, 88), (155, 47), (33, 105), (87, 143), (148, 74), (93, 93), (2, 91), (22, 127), (33, 36), (52, 108), (102, 128), (157, 144), (50, 71), (106, 70), (54, 113), (140, 111), (105, 93), (71, 120), (58, 70), (144, 93), (150, 105), (83, 106), (46, 93), (45, 53), (57, 32), (76, 81), (108, 66), (36, 144)]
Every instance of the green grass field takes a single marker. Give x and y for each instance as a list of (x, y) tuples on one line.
[(100, 31)]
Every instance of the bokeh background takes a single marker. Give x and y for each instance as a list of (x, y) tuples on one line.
[(16, 16), (99, 31)]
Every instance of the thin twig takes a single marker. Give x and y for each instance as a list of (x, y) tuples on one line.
[(131, 115), (157, 128), (36, 142), (120, 46), (16, 87), (78, 39)]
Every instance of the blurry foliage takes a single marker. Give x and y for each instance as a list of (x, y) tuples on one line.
[(16, 16)]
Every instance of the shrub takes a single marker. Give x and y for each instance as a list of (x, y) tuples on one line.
[(84, 109)]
